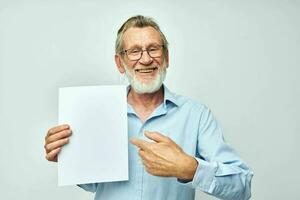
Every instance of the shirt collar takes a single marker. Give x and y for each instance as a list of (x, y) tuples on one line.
[(170, 97)]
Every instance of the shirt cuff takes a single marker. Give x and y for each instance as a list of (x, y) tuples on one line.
[(204, 176)]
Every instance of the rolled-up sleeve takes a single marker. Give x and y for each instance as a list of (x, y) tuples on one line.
[(220, 172)]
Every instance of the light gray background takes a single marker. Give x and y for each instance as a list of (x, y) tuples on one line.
[(241, 58)]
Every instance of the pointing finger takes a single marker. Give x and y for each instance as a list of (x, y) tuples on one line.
[(157, 137), (140, 143)]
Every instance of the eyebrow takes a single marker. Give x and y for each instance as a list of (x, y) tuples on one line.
[(149, 45)]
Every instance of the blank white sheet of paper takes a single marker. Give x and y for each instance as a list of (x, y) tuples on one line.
[(98, 147)]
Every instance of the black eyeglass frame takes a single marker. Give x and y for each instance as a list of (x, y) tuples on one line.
[(142, 51)]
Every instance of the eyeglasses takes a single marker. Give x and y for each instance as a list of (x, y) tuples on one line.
[(135, 54)]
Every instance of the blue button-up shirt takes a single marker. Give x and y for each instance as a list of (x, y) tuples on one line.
[(191, 125)]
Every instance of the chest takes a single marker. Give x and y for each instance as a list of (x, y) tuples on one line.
[(179, 125), (143, 113)]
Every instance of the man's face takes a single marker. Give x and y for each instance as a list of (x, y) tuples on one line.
[(146, 74)]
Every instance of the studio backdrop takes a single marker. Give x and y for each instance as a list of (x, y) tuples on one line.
[(240, 58)]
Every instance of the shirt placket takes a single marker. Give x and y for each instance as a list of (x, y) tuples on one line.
[(140, 163)]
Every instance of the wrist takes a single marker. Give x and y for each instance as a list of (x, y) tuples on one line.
[(188, 168)]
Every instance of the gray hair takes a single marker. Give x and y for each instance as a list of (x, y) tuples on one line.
[(138, 21)]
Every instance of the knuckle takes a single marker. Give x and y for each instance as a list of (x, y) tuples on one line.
[(50, 131), (140, 152), (66, 132), (47, 157), (47, 147), (47, 140), (64, 141)]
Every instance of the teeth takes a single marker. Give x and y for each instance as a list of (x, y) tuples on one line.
[(146, 70)]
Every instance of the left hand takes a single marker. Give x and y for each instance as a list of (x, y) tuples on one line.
[(164, 157)]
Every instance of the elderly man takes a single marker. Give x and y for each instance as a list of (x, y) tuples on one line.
[(177, 145)]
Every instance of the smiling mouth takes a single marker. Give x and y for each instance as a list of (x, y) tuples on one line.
[(146, 70)]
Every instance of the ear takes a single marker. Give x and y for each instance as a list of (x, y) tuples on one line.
[(167, 58), (119, 64)]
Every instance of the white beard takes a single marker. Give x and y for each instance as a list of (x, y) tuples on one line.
[(149, 87)]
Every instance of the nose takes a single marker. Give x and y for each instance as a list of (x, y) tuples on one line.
[(145, 59)]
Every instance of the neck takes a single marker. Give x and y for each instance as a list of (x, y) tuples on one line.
[(146, 101)]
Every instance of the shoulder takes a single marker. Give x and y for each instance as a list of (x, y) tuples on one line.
[(186, 102)]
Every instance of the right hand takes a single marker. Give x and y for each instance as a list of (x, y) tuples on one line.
[(55, 139)]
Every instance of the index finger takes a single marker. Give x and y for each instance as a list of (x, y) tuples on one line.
[(57, 129), (157, 137), (144, 145)]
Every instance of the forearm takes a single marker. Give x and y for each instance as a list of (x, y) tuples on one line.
[(220, 170)]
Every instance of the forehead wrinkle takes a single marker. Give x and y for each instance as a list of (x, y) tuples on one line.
[(141, 37)]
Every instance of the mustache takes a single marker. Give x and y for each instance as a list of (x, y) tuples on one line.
[(160, 67)]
